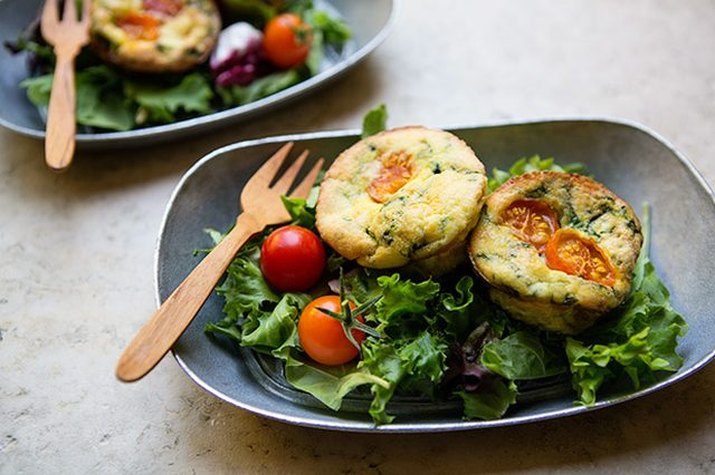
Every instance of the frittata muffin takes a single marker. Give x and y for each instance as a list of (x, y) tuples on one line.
[(557, 249), (406, 195), (154, 36)]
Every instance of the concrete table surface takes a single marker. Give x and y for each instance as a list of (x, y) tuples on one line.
[(76, 272)]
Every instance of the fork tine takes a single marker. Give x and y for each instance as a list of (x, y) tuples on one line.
[(50, 16), (281, 186), (70, 11), (303, 189), (86, 6), (268, 170)]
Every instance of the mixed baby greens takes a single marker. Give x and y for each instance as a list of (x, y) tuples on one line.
[(442, 339)]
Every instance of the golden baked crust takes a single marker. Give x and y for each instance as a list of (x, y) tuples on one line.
[(400, 196), (522, 282), (154, 36)]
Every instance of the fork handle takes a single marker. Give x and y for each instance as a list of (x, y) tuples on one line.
[(167, 324), (61, 119)]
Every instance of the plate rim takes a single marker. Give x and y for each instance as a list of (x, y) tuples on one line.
[(353, 425), (266, 104)]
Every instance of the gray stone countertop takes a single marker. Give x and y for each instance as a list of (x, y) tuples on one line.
[(76, 273)]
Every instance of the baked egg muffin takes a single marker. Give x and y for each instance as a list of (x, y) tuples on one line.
[(154, 36), (558, 250), (406, 195)]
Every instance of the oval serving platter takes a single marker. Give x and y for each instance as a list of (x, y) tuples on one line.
[(369, 20), (633, 161)]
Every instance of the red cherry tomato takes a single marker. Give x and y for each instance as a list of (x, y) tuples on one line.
[(139, 25), (532, 221), (322, 337), (286, 40), (570, 252), (292, 259), (396, 171)]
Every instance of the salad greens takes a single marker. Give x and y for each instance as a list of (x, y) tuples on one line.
[(374, 121), (531, 164), (442, 339), (110, 99), (638, 342)]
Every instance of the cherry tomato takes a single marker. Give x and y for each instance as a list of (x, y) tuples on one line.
[(286, 40), (532, 221), (322, 337), (570, 252), (396, 171), (139, 25), (292, 259)]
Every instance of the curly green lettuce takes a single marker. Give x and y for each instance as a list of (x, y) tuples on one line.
[(639, 342), (531, 164), (107, 100)]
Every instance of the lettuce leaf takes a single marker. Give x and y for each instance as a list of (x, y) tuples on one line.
[(334, 31), (244, 289), (523, 356), (329, 33), (531, 164), (381, 358), (402, 300), (159, 103), (277, 331), (374, 121), (464, 310), (38, 89), (457, 310), (415, 365), (100, 102), (302, 210), (425, 358), (259, 88), (107, 100), (490, 404), (328, 384), (257, 12)]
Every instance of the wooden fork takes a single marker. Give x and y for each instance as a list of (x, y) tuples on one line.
[(262, 206), (68, 36)]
